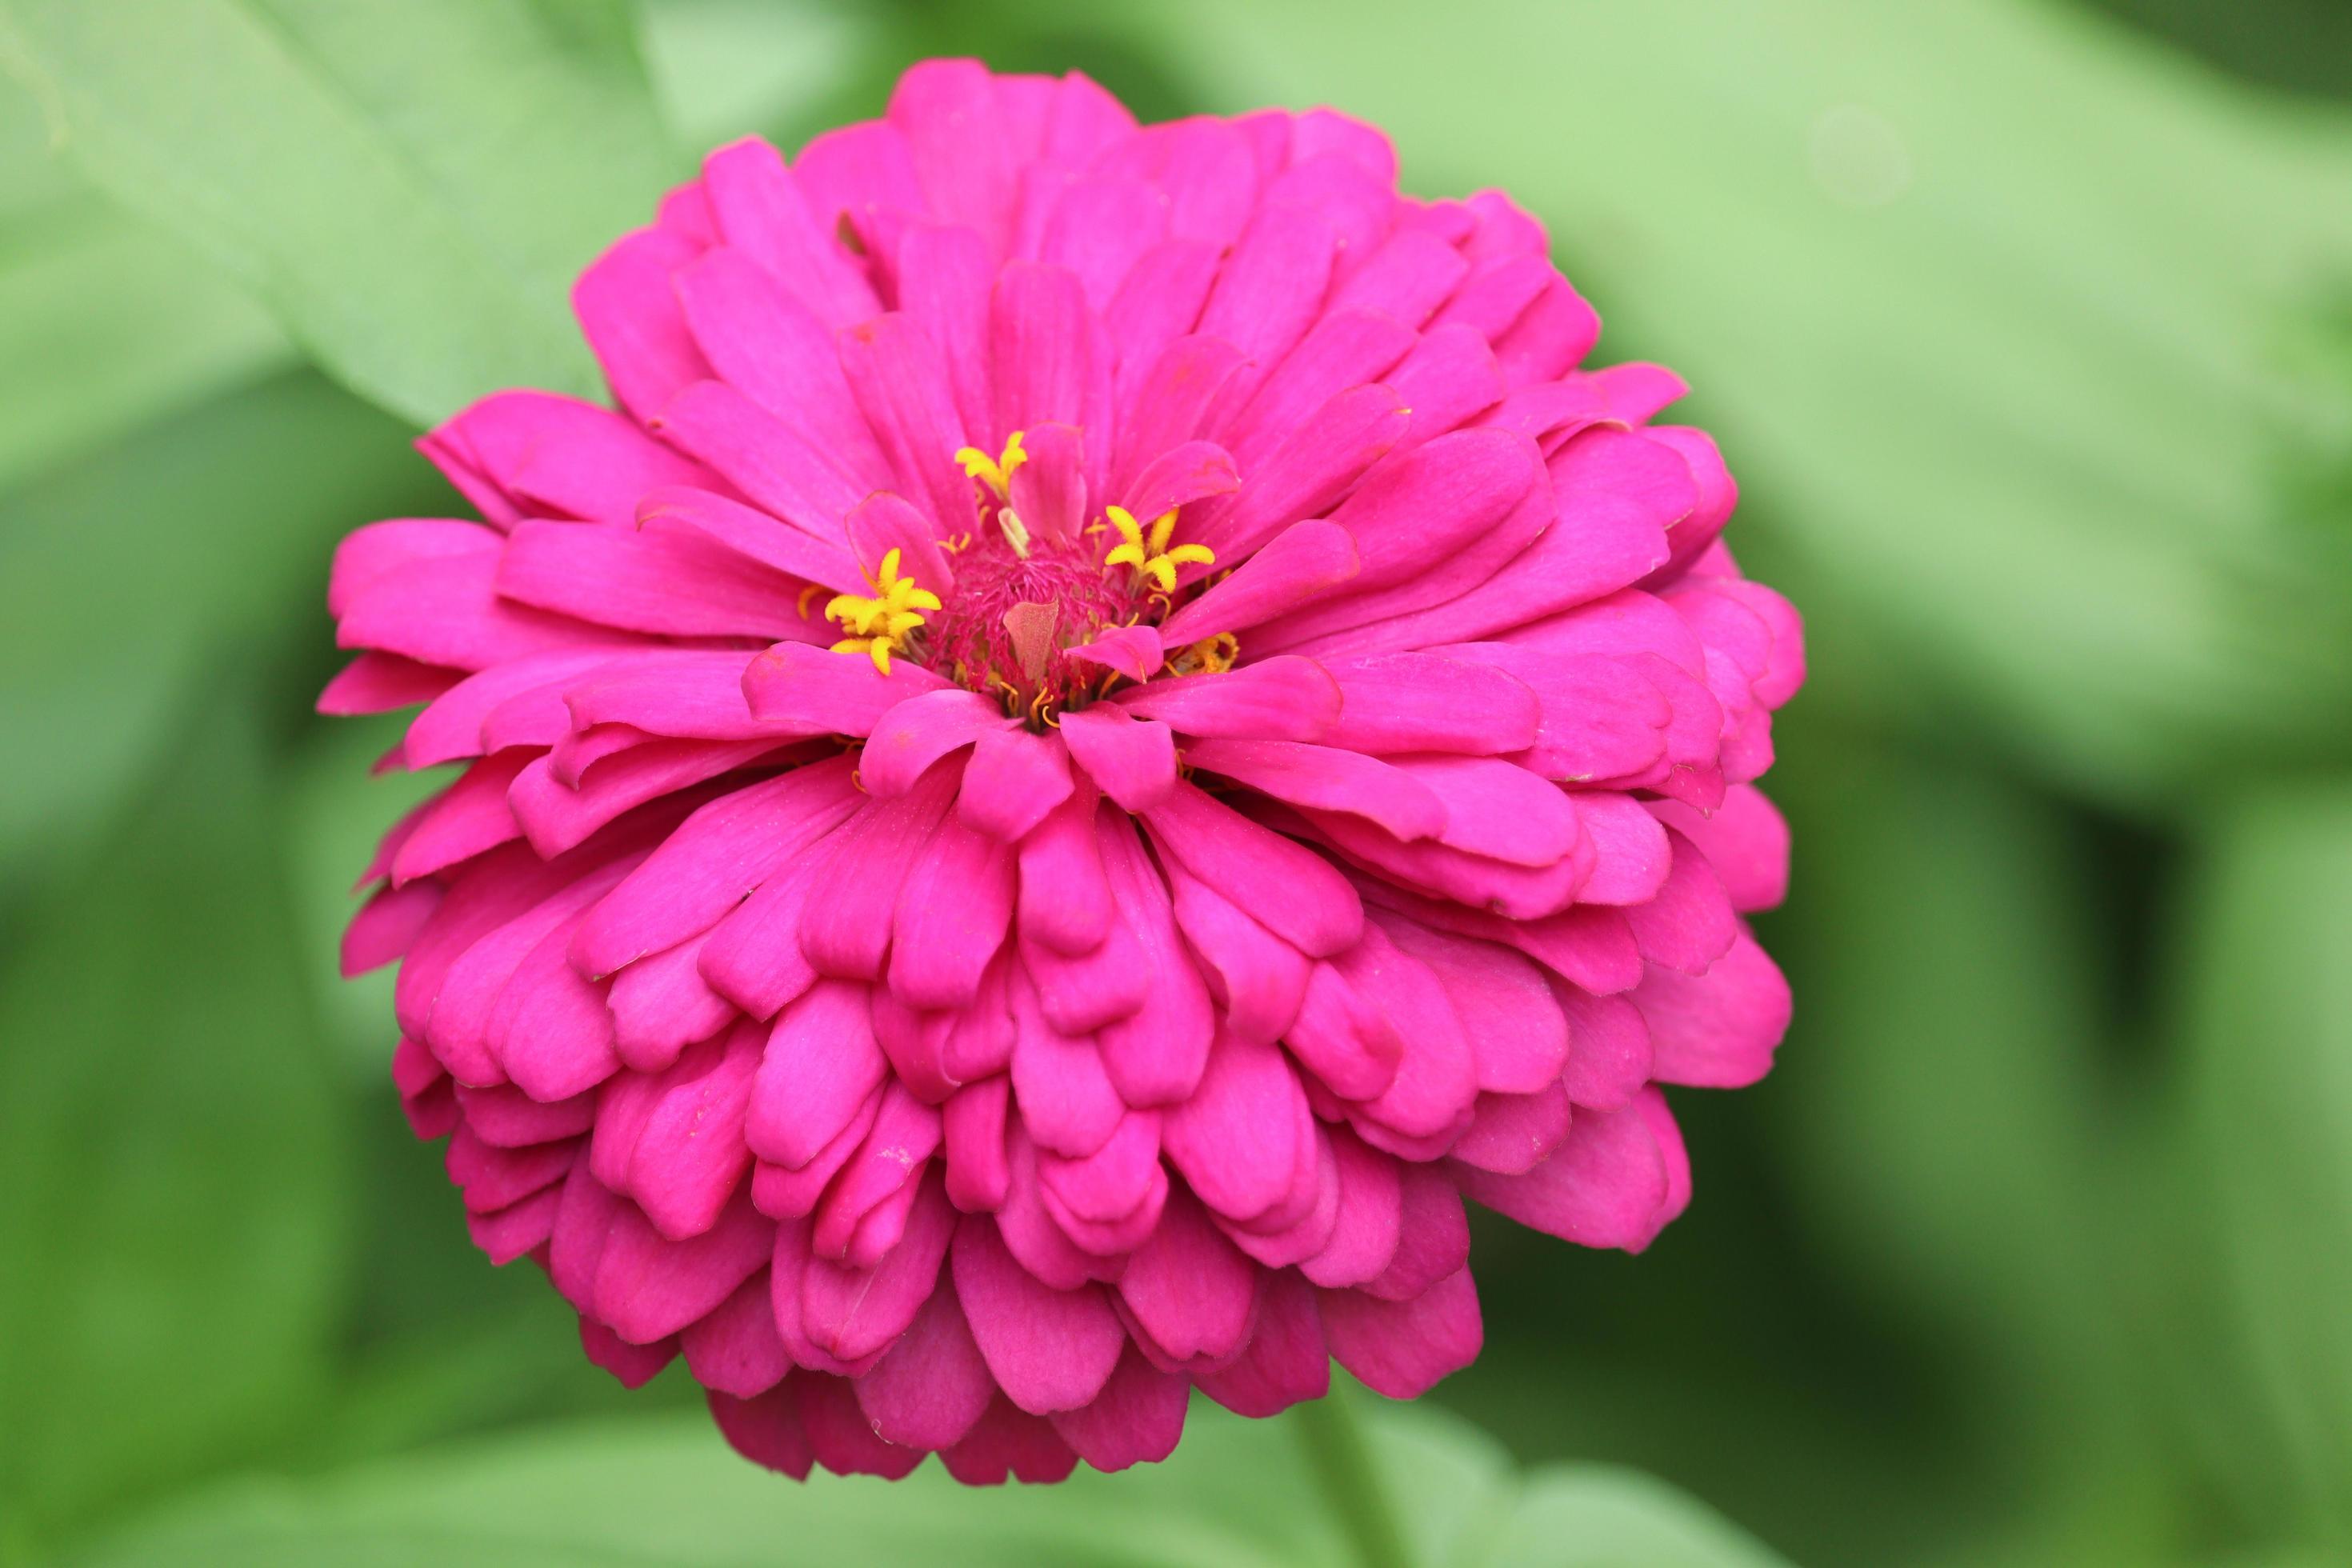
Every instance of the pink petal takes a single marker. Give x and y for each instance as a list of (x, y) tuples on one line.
[(1259, 978), (1135, 1420), (1293, 891), (1301, 562), (706, 867), (1133, 761), (1188, 1287), (1745, 839), (1049, 1350), (1718, 1030), (632, 320), (1013, 781), (767, 1429), (821, 1064), (1425, 702), (931, 1386), (1274, 699), (1284, 1360), (1607, 1184), (1403, 1349)]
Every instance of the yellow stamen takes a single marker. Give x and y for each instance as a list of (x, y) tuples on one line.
[(997, 472), (1150, 555), (1211, 655), (881, 625)]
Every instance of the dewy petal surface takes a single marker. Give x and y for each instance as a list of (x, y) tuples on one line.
[(1114, 720)]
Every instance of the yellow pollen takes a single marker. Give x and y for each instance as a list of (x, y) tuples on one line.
[(1150, 556), (879, 626), (1215, 655), (997, 472)]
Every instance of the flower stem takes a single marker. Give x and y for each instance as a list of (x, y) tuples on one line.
[(1340, 1453)]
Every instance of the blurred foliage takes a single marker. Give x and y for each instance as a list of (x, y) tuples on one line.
[(2029, 330), (579, 1495)]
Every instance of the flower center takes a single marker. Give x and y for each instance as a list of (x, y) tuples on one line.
[(1021, 600)]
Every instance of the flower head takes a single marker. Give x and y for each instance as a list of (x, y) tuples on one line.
[(1300, 782)]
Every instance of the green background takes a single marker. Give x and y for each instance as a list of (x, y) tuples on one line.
[(2028, 329)]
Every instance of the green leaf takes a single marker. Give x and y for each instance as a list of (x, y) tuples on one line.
[(169, 1135), (105, 322), (725, 68), (2269, 1034), (121, 572), (664, 1492), (1995, 312), (1596, 1516), (411, 185), (1938, 1113)]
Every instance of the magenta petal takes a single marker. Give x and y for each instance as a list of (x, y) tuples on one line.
[(1608, 1056), (1690, 923), (1066, 901), (1327, 778), (1293, 891), (1134, 652), (1010, 1444), (1745, 839), (851, 1312), (735, 1350), (953, 912), (760, 207), (1133, 761), (820, 1065), (1426, 702), (1366, 1229), (632, 320), (1274, 699), (1607, 1184), (1135, 1420), (1299, 563), (918, 732), (1512, 1132), (931, 1386), (1403, 1349), (1013, 781), (1234, 1139), (1188, 1287), (844, 1441), (1049, 1350), (1285, 1359), (1260, 978), (813, 692), (766, 1430), (648, 1288), (1049, 490), (1718, 1030), (705, 869), (882, 523)]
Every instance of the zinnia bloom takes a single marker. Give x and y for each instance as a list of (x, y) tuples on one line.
[(1112, 729)]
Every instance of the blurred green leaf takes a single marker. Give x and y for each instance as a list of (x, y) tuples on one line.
[(1990, 304), (169, 1135), (725, 68), (120, 571), (2269, 1033), (1942, 1115), (1597, 1517), (1236, 1493), (410, 184), (105, 322)]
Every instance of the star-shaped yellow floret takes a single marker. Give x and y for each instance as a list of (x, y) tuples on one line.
[(879, 626), (997, 472), (1150, 556)]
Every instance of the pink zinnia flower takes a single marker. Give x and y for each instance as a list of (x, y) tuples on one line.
[(1114, 728)]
